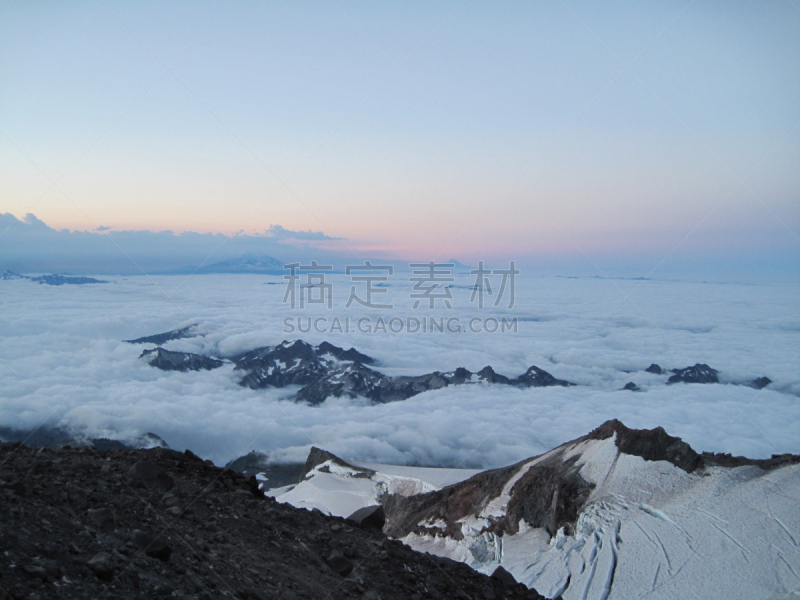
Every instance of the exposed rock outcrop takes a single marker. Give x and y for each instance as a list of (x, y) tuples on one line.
[(699, 373), (162, 338), (317, 457), (329, 371), (760, 383), (52, 279), (288, 363), (168, 360)]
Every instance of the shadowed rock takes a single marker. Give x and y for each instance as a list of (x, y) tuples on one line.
[(504, 577), (339, 563), (102, 519), (146, 474), (167, 360), (162, 338), (152, 545), (760, 383), (317, 457), (102, 564), (369, 517)]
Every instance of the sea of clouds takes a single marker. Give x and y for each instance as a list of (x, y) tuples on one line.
[(62, 362)]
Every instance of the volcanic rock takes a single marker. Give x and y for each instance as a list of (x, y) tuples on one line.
[(102, 564), (102, 519), (146, 474), (339, 563), (154, 546), (243, 546), (369, 517)]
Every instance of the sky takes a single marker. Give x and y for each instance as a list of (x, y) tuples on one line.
[(654, 133)]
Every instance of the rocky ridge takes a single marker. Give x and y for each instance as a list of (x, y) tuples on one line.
[(82, 523), (52, 279), (167, 360), (619, 512), (551, 492), (326, 370)]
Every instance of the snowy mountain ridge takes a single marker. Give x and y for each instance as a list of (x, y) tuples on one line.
[(618, 513)]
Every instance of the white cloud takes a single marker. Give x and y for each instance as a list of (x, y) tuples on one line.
[(60, 348)]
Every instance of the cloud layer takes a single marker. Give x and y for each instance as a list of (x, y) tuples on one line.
[(61, 358)]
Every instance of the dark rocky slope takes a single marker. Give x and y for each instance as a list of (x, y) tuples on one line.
[(52, 437), (80, 523), (167, 360)]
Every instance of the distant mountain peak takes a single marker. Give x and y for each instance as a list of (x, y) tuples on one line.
[(249, 263)]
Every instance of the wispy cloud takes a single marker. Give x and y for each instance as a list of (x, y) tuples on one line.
[(281, 233)]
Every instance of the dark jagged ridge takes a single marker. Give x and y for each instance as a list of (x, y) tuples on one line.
[(327, 370), (162, 338), (168, 360), (657, 444), (52, 279), (159, 523), (46, 436), (649, 444)]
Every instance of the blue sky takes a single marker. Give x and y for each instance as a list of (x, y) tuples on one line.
[(419, 130)]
